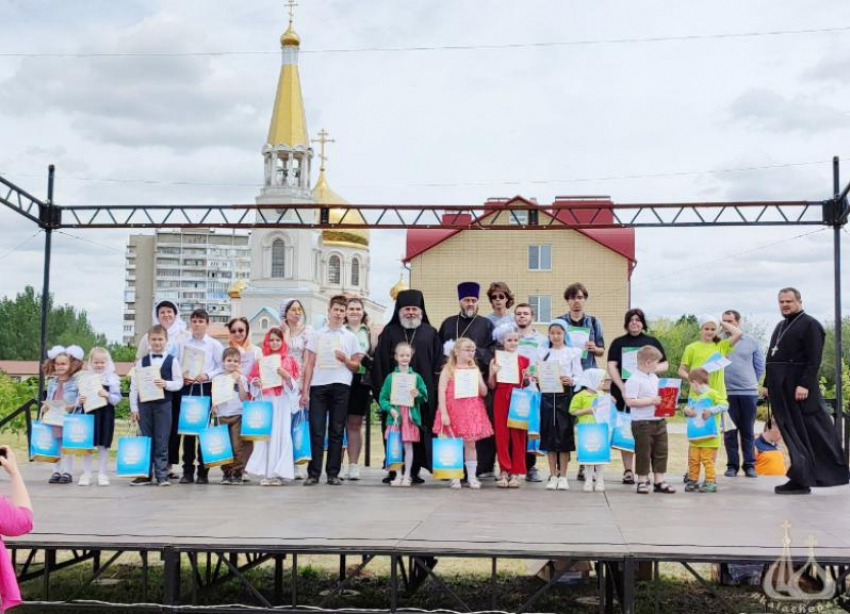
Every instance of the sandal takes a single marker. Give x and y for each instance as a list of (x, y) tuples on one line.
[(513, 482), (628, 477), (55, 478), (643, 488), (503, 482), (663, 487)]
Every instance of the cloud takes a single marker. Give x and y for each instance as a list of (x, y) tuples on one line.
[(768, 110)]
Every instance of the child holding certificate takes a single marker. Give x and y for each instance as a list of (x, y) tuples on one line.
[(704, 404), (402, 394), (100, 373), (649, 430), (589, 386), (273, 460), (461, 405), (229, 412), (508, 370), (556, 374), (156, 377), (61, 366)]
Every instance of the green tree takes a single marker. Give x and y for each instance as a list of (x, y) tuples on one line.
[(20, 333), (827, 366), (674, 336), (12, 395), (121, 352)]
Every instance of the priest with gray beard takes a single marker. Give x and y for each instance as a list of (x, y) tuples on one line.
[(410, 324)]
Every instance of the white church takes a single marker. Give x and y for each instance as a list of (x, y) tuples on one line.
[(309, 265)]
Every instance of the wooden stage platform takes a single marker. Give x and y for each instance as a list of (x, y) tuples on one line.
[(743, 522)]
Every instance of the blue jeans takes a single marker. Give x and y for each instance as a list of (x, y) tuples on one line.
[(742, 411), (155, 422)]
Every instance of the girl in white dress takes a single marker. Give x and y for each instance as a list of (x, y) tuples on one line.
[(296, 334), (273, 459)]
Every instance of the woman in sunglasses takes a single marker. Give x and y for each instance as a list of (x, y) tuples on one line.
[(240, 338), (501, 300)]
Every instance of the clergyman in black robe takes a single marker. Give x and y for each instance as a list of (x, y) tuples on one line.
[(480, 329), (410, 323), (793, 359)]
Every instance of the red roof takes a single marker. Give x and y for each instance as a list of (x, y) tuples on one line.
[(619, 240)]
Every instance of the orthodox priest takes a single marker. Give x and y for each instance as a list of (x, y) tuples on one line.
[(410, 323), (467, 323), (793, 359)]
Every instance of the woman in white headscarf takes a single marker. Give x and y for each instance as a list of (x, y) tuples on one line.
[(710, 349), (166, 313)]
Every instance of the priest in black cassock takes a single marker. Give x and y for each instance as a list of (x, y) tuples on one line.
[(793, 359), (467, 323), (410, 323)]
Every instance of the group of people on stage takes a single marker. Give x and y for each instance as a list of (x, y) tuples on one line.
[(431, 382)]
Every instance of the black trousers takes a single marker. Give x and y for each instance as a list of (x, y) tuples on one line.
[(191, 444), (486, 448), (328, 409)]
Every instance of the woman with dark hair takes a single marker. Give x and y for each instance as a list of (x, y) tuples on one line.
[(360, 398), (622, 362), (240, 338), (501, 300), (296, 333)]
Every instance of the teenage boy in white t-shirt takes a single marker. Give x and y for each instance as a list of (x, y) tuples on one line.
[(332, 356), (650, 431)]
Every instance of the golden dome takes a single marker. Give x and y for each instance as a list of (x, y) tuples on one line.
[(400, 285), (236, 288), (355, 237), (290, 38)]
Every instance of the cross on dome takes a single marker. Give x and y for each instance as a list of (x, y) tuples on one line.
[(322, 141)]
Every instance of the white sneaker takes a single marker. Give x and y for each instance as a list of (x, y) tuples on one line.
[(552, 484), (265, 482), (588, 485), (474, 483), (455, 484), (354, 472), (343, 474), (563, 484), (600, 484), (85, 480), (102, 479), (300, 472), (396, 481)]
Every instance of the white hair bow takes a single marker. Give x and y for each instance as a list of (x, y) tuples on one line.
[(74, 351), (448, 346)]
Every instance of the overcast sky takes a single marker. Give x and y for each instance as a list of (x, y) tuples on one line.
[(639, 121)]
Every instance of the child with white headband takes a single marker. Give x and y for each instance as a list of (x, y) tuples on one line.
[(100, 363), (61, 366)]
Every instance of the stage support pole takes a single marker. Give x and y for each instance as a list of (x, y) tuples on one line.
[(47, 224), (839, 346)]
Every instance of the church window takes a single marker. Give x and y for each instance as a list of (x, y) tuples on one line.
[(334, 270), (278, 258), (355, 272), (264, 323)]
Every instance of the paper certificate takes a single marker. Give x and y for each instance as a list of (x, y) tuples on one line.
[(628, 365), (579, 336), (222, 388), (269, 377), (326, 347), (401, 385), (90, 385), (549, 375), (466, 383), (716, 362), (54, 414), (192, 362), (148, 390), (508, 367)]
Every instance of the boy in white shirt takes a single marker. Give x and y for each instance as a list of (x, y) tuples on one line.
[(229, 413), (331, 358), (154, 417), (650, 431)]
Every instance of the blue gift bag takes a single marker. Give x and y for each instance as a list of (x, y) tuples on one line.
[(519, 411), (45, 446), (699, 429), (395, 449), (194, 414), (533, 413), (215, 446), (533, 447), (621, 437), (592, 444), (301, 449), (78, 434), (256, 420), (447, 458), (344, 437), (134, 457)]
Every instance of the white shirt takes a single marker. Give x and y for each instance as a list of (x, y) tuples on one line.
[(569, 360), (212, 354), (641, 386), (530, 345), (172, 385), (340, 374), (233, 407)]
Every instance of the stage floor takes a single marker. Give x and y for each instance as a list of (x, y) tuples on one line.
[(741, 522)]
